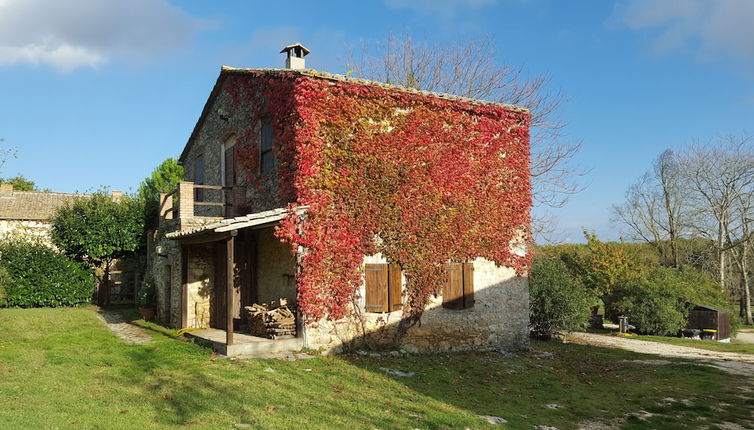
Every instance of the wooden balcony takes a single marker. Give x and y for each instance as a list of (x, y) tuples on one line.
[(202, 201)]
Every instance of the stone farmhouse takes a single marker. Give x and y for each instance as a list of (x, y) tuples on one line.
[(219, 249)]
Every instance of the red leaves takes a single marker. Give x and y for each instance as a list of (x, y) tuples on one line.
[(434, 179)]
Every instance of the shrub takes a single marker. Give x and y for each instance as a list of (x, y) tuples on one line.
[(4, 283), (146, 297), (659, 303), (41, 277), (557, 301)]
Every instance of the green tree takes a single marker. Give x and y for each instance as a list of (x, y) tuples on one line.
[(99, 230), (558, 301), (163, 179), (608, 264), (20, 183)]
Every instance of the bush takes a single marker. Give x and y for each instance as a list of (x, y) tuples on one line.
[(4, 283), (147, 294), (557, 301), (41, 277), (659, 303)]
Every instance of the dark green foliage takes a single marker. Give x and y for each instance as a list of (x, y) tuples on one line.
[(164, 178), (41, 277), (146, 297), (557, 300), (660, 302), (4, 284), (20, 183), (98, 229)]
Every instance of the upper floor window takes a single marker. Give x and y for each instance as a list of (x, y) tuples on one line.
[(199, 177), (266, 156)]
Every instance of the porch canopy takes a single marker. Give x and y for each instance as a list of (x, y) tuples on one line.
[(224, 230)]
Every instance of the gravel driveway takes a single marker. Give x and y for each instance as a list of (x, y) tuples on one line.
[(731, 362)]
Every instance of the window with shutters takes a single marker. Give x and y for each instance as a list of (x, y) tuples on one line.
[(384, 288), (199, 177), (458, 292), (266, 156)]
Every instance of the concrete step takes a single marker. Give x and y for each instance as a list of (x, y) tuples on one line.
[(245, 345)]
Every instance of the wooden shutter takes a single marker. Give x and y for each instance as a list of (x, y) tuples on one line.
[(230, 166), (395, 293), (376, 279), (452, 295), (468, 285)]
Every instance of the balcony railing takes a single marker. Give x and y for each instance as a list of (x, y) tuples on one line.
[(227, 201)]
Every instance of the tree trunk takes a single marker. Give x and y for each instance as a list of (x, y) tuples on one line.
[(741, 258), (721, 256), (103, 296)]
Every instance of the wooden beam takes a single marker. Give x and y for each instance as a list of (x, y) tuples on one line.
[(203, 237), (229, 251), (184, 285)]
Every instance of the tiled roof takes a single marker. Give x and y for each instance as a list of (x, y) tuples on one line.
[(251, 220), (33, 205)]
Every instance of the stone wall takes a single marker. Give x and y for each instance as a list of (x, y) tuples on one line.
[(26, 229), (201, 271), (498, 320), (238, 120), (275, 268)]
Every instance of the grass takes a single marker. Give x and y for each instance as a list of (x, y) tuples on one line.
[(61, 368)]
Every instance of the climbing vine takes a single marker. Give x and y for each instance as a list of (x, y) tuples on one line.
[(420, 179)]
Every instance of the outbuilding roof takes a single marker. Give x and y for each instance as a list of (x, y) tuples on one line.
[(33, 205)]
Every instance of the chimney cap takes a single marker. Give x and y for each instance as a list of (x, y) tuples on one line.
[(290, 48)]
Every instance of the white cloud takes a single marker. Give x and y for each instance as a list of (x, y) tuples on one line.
[(441, 7), (70, 34), (711, 28)]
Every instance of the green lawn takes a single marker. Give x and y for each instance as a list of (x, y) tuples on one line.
[(61, 368)]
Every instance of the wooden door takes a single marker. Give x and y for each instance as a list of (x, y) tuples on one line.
[(229, 179)]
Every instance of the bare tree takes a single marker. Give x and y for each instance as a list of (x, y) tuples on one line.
[(6, 153), (471, 69), (719, 175), (655, 207)]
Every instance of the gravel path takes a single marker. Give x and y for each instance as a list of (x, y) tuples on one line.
[(128, 333), (731, 362)]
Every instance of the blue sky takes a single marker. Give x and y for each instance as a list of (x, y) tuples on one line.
[(97, 92)]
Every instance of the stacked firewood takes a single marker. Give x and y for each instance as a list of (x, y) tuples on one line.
[(272, 320)]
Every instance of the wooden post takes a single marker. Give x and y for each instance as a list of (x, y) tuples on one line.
[(229, 251), (184, 285)]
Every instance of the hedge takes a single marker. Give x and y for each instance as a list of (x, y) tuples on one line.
[(41, 277)]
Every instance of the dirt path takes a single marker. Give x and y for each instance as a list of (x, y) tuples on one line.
[(128, 333), (745, 335), (731, 362)]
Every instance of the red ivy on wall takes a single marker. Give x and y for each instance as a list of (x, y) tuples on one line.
[(422, 180)]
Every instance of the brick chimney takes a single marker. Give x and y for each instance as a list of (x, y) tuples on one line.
[(6, 189), (117, 194), (295, 56)]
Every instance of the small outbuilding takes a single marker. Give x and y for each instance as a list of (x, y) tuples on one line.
[(712, 322)]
